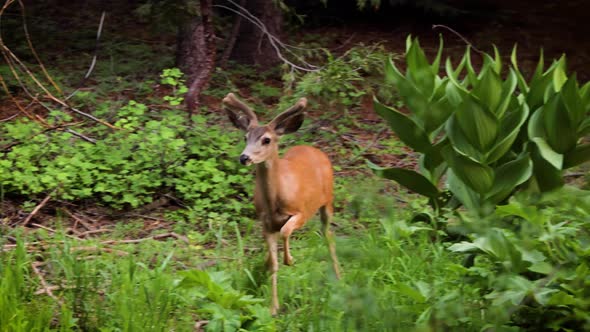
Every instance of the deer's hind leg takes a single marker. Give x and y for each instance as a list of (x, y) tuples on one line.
[(326, 213)]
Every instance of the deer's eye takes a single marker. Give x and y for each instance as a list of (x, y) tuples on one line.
[(266, 141)]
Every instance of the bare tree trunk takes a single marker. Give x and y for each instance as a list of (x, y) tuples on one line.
[(196, 53), (252, 45)]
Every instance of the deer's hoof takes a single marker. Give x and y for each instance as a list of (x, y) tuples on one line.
[(288, 260)]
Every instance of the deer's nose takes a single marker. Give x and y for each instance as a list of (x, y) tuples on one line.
[(244, 159)]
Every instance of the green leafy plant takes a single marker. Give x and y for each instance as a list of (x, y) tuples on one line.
[(531, 260), (471, 127), (152, 155), (342, 80), (174, 78), (227, 309)]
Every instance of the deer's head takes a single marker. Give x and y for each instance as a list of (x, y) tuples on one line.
[(262, 140)]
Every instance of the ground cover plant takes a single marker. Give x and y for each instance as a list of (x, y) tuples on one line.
[(148, 225)]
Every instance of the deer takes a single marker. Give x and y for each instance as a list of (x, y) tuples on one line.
[(288, 190)]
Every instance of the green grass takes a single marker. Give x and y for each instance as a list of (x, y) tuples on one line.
[(392, 278)]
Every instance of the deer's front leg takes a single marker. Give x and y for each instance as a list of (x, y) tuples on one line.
[(295, 222), (272, 263)]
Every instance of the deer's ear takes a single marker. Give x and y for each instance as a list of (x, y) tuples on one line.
[(240, 122), (290, 120), (246, 119)]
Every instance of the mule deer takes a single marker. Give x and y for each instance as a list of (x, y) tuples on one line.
[(289, 190)]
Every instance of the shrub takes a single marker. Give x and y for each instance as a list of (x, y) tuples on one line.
[(151, 155), (531, 259), (481, 134)]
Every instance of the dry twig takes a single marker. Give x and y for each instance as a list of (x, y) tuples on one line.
[(37, 208), (46, 287), (155, 237)]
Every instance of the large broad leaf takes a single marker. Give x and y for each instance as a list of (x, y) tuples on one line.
[(522, 84), (547, 177), (479, 125), (405, 128), (489, 89), (432, 163), (539, 85), (415, 99), (510, 128), (468, 197), (497, 65), (536, 133), (392, 74), (471, 75), (476, 176), (411, 180), (453, 74), (437, 114), (455, 94), (509, 176), (436, 63), (584, 128), (572, 100), (508, 88), (585, 95), (419, 70), (561, 133), (558, 73), (460, 141), (579, 155)]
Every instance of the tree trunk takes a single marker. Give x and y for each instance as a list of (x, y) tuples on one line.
[(195, 54), (252, 46)]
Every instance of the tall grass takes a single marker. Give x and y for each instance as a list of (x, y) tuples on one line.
[(397, 276)]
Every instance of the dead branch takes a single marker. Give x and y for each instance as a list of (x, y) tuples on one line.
[(53, 231), (97, 249), (13, 61), (94, 231), (9, 118), (155, 237), (78, 220), (94, 57), (38, 207), (275, 42), (46, 287), (434, 26), (28, 37), (44, 291)]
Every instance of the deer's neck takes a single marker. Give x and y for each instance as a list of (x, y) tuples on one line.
[(267, 180)]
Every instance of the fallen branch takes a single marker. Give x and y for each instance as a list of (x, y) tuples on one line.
[(9, 118), (37, 208), (53, 231), (46, 287), (94, 231), (155, 237), (97, 249), (78, 220)]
